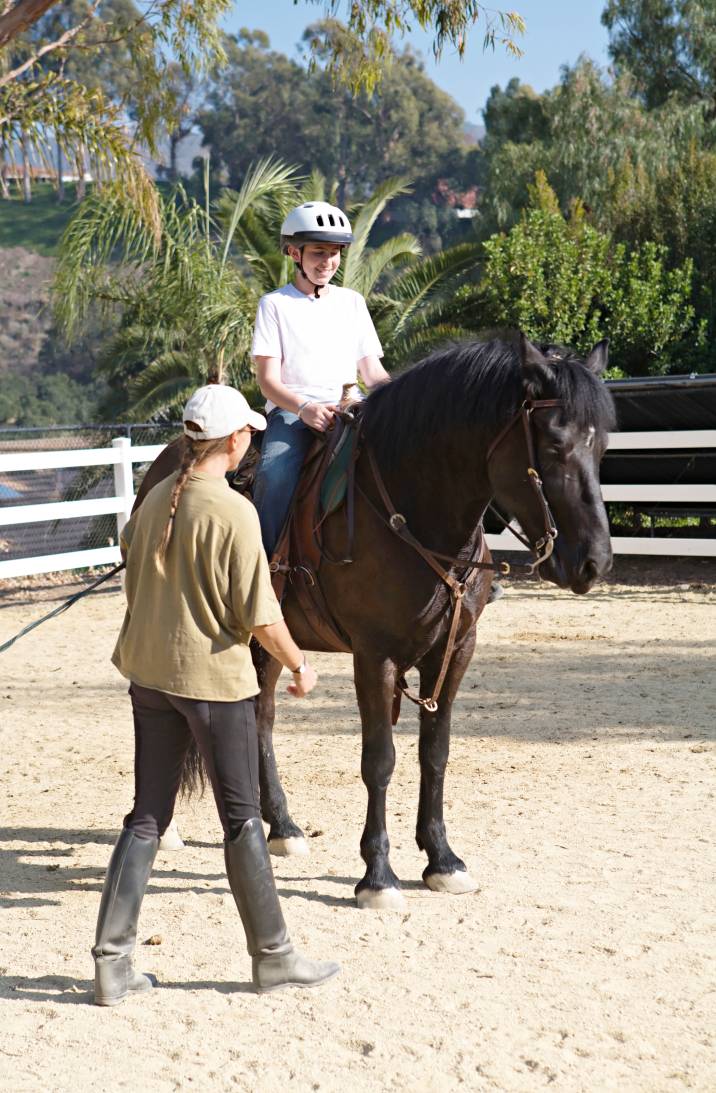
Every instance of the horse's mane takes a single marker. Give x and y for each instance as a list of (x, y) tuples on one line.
[(479, 385)]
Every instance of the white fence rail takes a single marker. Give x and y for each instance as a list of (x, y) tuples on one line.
[(122, 455), (624, 544)]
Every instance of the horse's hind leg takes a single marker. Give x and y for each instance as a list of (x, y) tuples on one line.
[(375, 683), (285, 838), (445, 872)]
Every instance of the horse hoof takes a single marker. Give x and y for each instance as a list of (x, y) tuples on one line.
[(295, 847), (171, 839), (456, 884), (380, 899)]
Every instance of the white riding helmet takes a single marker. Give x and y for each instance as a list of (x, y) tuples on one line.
[(315, 222)]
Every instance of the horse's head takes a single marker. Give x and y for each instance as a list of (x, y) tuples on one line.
[(568, 441)]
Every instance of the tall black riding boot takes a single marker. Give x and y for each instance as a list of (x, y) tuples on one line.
[(275, 963), (124, 886)]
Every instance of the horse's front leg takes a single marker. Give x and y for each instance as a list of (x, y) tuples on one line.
[(375, 684), (445, 872), (285, 838)]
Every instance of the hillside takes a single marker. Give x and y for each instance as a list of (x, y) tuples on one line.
[(38, 225), (25, 319)]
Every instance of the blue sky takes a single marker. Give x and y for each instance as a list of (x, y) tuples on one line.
[(557, 32)]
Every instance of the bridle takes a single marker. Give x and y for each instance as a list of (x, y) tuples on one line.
[(541, 549), (546, 543)]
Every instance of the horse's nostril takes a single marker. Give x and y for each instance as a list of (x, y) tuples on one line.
[(590, 570)]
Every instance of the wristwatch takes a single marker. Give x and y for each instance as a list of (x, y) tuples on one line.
[(301, 668)]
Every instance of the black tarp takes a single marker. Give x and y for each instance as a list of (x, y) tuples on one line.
[(665, 402)]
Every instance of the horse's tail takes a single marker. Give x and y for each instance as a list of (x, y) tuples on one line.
[(193, 775)]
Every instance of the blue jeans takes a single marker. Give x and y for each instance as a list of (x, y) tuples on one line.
[(285, 445)]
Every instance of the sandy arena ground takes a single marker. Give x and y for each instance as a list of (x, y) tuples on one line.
[(580, 791)]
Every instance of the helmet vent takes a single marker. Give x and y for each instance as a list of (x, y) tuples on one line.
[(319, 221), (341, 221), (332, 220)]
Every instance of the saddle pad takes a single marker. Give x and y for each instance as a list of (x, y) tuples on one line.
[(333, 487)]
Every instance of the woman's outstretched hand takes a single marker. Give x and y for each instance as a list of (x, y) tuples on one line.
[(277, 641), (304, 683)]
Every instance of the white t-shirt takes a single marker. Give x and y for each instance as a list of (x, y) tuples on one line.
[(319, 341)]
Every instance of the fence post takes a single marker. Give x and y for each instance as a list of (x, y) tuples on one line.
[(123, 480)]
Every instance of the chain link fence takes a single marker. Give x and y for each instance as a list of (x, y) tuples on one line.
[(66, 484)]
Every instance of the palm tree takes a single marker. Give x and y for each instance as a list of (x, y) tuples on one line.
[(184, 296), (183, 308), (416, 303)]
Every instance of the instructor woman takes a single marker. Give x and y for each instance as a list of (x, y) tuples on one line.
[(198, 587)]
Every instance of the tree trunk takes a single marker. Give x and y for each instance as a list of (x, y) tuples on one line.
[(174, 139), (4, 188), (81, 191), (60, 181), (26, 177), (20, 16)]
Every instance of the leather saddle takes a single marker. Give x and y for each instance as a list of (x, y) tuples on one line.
[(326, 484)]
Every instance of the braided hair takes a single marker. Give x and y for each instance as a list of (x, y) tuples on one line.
[(194, 452)]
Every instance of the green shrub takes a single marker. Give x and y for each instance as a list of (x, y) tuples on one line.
[(560, 280)]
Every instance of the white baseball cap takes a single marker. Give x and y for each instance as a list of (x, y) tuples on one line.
[(219, 410)]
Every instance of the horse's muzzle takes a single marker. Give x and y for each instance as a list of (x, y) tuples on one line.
[(579, 573)]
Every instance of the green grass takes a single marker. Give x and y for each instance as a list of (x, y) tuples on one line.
[(38, 225)]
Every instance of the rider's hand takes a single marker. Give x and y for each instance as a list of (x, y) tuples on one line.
[(318, 415), (304, 683)]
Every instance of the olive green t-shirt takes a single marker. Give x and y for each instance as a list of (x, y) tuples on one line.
[(187, 629)]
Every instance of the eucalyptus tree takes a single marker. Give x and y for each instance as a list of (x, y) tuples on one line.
[(263, 102), (372, 23), (581, 134), (667, 46), (40, 101), (55, 83)]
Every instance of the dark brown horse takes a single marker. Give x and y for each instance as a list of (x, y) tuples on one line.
[(469, 424)]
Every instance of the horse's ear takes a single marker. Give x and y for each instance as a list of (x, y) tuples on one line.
[(536, 372), (598, 359)]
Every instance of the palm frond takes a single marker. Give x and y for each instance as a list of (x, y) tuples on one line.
[(105, 222), (437, 275), (256, 239), (314, 188), (364, 216), (268, 178), (168, 377), (401, 248)]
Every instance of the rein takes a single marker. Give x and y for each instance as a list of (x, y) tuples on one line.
[(546, 543), (541, 549)]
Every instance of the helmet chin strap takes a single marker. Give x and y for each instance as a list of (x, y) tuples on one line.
[(316, 288)]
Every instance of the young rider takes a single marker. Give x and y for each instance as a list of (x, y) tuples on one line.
[(311, 338), (198, 587)]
